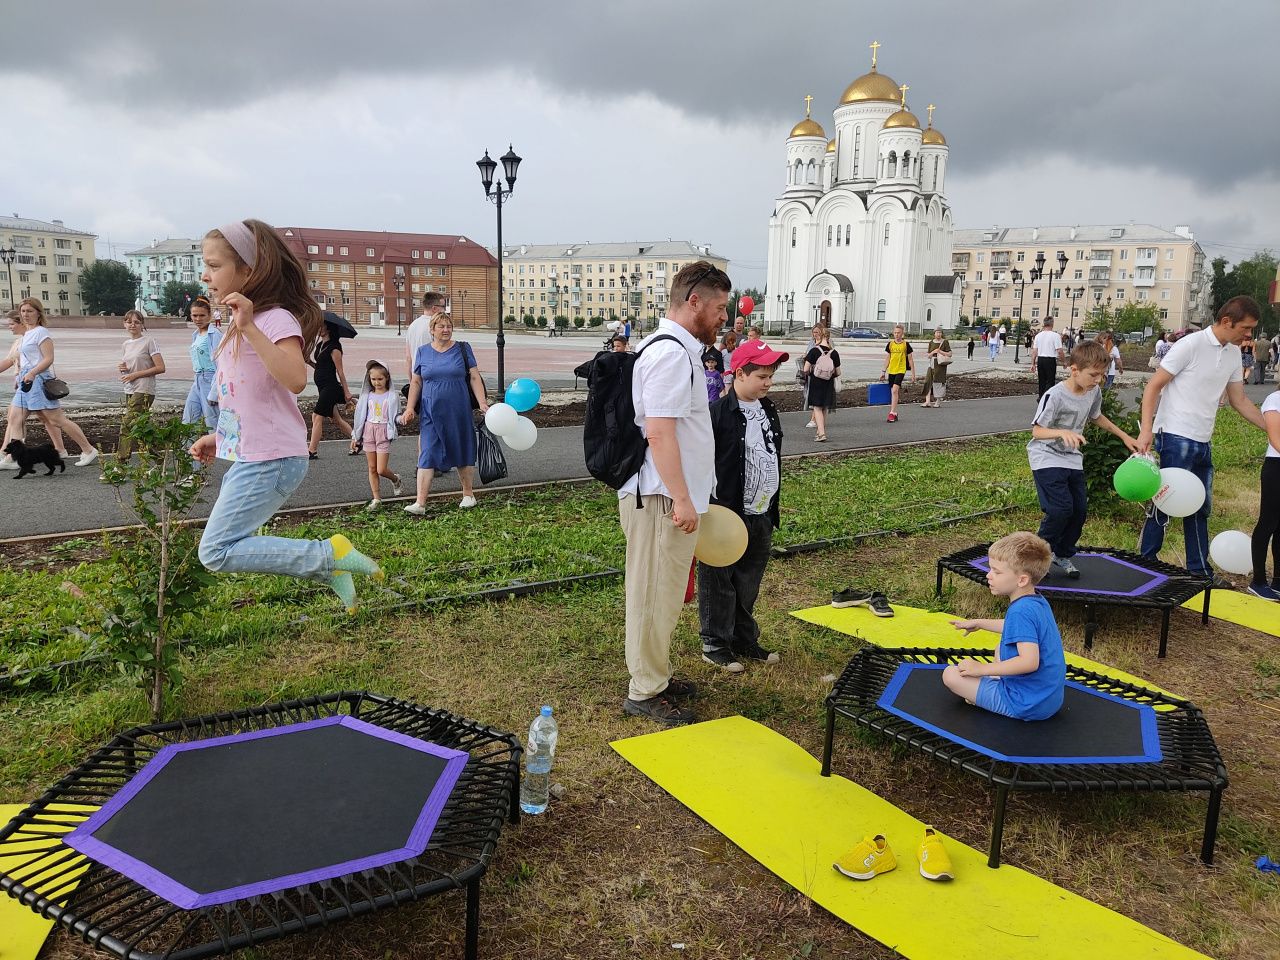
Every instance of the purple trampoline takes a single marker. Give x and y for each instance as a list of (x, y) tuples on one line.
[(1107, 578), (213, 834)]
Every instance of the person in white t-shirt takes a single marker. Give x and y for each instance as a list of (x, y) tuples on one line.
[(1267, 530), (419, 332), (1046, 351), (1179, 409), (660, 507)]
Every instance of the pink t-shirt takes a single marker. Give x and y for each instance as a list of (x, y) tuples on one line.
[(258, 419)]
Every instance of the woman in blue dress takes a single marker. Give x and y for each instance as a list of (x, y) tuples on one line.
[(445, 378)]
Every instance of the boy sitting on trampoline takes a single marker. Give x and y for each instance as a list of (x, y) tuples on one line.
[(1054, 451), (1026, 679)]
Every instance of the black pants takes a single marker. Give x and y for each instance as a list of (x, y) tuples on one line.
[(727, 595), (1065, 502), (1047, 374), (1268, 528)]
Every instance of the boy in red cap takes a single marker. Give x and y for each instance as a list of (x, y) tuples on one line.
[(748, 440)]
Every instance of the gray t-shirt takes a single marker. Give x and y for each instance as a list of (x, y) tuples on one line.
[(1060, 409)]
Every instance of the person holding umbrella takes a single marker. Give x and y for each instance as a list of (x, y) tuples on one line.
[(330, 381)]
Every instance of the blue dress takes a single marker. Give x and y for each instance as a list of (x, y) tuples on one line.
[(446, 427)]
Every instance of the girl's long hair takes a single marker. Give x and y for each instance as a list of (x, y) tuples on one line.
[(277, 279)]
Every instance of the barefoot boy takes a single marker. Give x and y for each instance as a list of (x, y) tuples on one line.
[(1027, 678)]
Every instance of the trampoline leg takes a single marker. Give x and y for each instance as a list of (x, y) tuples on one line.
[(473, 919), (997, 828), (1204, 614), (826, 747), (939, 587), (1211, 827), (1164, 633), (1090, 626)]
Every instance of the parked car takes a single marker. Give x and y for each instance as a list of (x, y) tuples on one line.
[(862, 333)]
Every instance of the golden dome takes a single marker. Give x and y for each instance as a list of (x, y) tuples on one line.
[(808, 127), (903, 118), (933, 136), (870, 86), (831, 145)]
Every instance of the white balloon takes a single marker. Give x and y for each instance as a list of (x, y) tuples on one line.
[(501, 418), (1181, 492), (522, 436), (1232, 551)]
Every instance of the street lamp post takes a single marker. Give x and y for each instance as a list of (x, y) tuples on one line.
[(487, 166), (1021, 281), (637, 296), (8, 255), (1102, 314), (462, 294), (1076, 294), (977, 295), (398, 282)]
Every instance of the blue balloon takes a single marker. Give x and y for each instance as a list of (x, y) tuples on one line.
[(524, 394)]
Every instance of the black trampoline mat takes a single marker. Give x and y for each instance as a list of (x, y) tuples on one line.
[(1091, 727), (1099, 573), (216, 820)]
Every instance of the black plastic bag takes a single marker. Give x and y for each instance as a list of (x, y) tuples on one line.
[(491, 464)]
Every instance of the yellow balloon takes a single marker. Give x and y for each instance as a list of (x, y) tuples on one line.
[(722, 537)]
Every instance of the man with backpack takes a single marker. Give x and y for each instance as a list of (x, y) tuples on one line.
[(664, 473)]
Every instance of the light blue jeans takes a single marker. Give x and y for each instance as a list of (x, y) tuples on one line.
[(251, 493), (198, 404)]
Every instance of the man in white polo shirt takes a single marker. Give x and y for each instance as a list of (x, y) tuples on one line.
[(1046, 351), (1186, 388), (418, 333), (673, 486)]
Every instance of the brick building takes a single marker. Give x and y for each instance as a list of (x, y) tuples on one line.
[(379, 278)]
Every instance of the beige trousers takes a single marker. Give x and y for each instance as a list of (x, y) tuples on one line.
[(659, 555)]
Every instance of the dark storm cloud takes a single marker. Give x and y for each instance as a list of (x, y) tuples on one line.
[(1184, 87)]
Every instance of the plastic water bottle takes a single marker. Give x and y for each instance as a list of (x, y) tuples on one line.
[(535, 788)]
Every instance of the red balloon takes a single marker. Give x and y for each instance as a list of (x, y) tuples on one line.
[(745, 306)]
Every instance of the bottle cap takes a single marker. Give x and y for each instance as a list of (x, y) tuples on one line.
[(546, 711)]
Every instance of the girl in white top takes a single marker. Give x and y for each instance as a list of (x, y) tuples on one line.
[(1268, 529), (10, 362), (374, 427), (140, 364), (35, 366)]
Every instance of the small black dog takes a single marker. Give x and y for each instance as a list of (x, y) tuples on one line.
[(27, 458)]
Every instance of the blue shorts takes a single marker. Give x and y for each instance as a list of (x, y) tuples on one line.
[(34, 399), (992, 696)]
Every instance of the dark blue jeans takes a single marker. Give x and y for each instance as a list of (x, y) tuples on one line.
[(1064, 500), (727, 595), (1176, 451)]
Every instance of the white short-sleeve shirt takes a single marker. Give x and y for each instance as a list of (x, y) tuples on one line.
[(667, 381), (1201, 367), (1271, 405), (1047, 344)]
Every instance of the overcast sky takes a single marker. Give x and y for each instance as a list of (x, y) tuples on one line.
[(637, 121)]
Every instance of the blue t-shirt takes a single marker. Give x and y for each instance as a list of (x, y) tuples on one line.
[(1036, 695)]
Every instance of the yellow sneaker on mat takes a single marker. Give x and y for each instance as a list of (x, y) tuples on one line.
[(868, 859), (934, 862)]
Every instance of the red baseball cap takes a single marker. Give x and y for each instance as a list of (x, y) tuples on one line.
[(757, 352)]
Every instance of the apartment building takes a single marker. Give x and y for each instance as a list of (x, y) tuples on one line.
[(379, 278), (43, 260), (1107, 265), (595, 279), (164, 261)]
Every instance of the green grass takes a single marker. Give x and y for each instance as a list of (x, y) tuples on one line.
[(617, 867)]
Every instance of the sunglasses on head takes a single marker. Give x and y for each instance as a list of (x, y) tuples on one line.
[(704, 275)]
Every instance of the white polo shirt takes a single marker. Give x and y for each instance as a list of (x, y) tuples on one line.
[(1047, 344), (416, 335), (1201, 367), (667, 381)]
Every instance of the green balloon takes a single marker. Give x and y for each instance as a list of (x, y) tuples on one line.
[(1137, 479)]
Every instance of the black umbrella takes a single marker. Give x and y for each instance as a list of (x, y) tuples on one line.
[(339, 326)]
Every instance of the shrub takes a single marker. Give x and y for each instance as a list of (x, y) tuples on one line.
[(529, 321), (595, 321), (579, 322), (562, 322), (542, 322), (1104, 452)]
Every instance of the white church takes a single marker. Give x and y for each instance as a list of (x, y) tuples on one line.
[(861, 237)]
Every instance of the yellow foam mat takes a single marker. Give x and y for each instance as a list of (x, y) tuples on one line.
[(1241, 609), (913, 627), (765, 794), (22, 930)]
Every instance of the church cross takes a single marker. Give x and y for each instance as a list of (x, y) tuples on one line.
[(807, 100), (875, 49), (904, 88), (931, 108)]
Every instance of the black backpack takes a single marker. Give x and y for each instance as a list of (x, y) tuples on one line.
[(613, 445)]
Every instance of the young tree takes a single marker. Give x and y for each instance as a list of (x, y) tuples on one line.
[(1251, 277), (107, 286), (1135, 317), (176, 295)]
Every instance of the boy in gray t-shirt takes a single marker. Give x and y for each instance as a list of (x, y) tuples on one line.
[(1057, 465)]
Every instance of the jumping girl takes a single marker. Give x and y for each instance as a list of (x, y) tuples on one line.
[(140, 364), (273, 325), (374, 427), (204, 346)]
